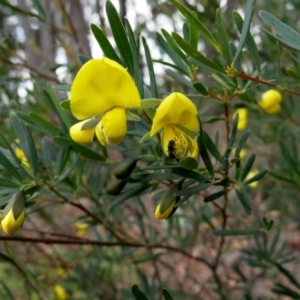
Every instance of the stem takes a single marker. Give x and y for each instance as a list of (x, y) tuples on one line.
[(261, 81)]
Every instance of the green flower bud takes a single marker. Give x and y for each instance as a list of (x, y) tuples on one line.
[(166, 203), (125, 168), (115, 187), (13, 215)]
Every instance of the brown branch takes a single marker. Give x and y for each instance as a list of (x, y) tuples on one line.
[(261, 81), (84, 241)]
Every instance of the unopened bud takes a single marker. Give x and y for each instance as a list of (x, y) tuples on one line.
[(13, 215), (125, 168), (166, 203), (115, 187), (270, 102)]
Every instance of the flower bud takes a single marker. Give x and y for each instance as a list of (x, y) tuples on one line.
[(243, 118), (13, 215), (166, 203), (115, 187), (125, 168), (270, 102)]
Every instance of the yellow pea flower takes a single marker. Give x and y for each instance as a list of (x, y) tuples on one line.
[(60, 292), (243, 118), (174, 114), (270, 102), (100, 94), (81, 228), (251, 174), (13, 215)]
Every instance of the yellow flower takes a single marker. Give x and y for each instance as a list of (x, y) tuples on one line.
[(100, 94), (166, 203), (270, 102), (243, 118), (60, 292), (177, 115), (13, 215), (81, 228), (21, 156), (250, 175)]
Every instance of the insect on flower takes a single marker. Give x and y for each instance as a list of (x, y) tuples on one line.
[(171, 149)]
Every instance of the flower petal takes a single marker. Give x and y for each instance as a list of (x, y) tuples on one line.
[(176, 109), (100, 85), (82, 136), (112, 128)]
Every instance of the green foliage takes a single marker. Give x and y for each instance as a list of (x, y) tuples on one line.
[(236, 201)]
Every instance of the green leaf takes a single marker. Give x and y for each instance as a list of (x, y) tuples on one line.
[(171, 53), (211, 119), (153, 90), (211, 147), (189, 174), (206, 159), (285, 272), (199, 87), (137, 293), (9, 166), (131, 116), (104, 44), (33, 158), (233, 131), (234, 232), (178, 77), (7, 183), (66, 104), (84, 151), (83, 58), (292, 73), (136, 56), (222, 37), (54, 101), (245, 28), (215, 196), (192, 18), (193, 34), (62, 87), (241, 143), (151, 102), (281, 31), (281, 177), (44, 125), (193, 190), (120, 36), (133, 192), (174, 46), (188, 163), (250, 43), (248, 166), (166, 294), (244, 199), (194, 53), (256, 177)]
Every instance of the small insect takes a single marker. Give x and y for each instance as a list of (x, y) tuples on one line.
[(171, 149)]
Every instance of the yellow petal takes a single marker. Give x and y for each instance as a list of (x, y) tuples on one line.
[(166, 213), (100, 85), (184, 144), (273, 110), (176, 109), (243, 117), (112, 128), (271, 96), (9, 224), (82, 136)]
